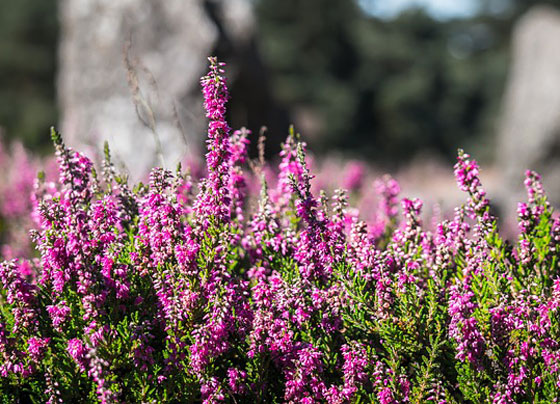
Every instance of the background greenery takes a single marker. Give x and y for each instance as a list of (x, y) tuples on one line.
[(28, 41), (384, 89)]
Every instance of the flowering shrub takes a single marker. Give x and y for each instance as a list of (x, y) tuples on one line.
[(183, 292), (18, 175)]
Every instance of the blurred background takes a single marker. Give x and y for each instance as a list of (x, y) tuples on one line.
[(392, 82)]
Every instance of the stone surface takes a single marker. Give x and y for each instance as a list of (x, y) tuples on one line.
[(529, 134), (129, 74)]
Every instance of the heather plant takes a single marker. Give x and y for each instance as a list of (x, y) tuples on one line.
[(18, 181), (242, 288)]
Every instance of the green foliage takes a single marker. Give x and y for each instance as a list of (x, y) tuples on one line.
[(28, 59)]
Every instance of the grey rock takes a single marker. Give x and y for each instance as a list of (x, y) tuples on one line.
[(129, 74), (529, 134)]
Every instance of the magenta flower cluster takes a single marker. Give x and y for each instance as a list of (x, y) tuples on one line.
[(18, 196), (248, 286)]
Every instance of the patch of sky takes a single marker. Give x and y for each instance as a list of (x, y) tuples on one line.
[(439, 9)]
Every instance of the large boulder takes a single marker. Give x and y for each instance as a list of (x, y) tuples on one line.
[(529, 135), (129, 74)]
